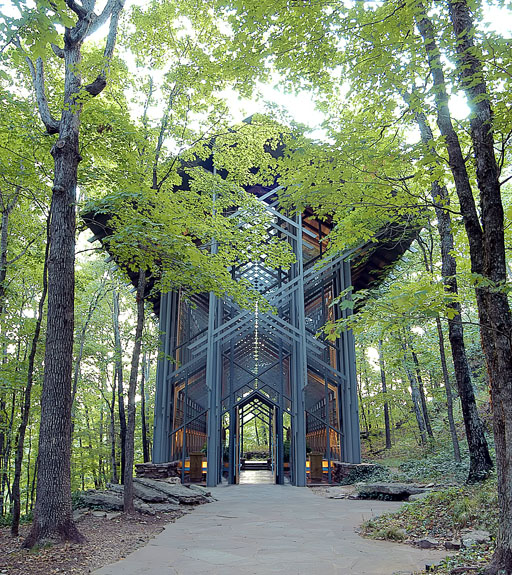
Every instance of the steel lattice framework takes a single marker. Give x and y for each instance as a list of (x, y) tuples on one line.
[(218, 358)]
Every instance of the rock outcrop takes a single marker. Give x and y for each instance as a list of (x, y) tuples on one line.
[(151, 496)]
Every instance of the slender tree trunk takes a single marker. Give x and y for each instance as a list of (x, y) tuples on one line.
[(415, 396), (448, 391), (119, 377), (25, 412), (3, 424), (480, 460), (5, 482), (256, 431), (387, 427), (33, 486), (364, 415), (423, 398), (91, 458), (130, 431), (29, 455), (83, 334), (4, 437), (112, 409)]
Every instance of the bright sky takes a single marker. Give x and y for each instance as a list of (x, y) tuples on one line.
[(300, 105)]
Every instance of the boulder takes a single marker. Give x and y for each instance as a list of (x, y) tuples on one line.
[(181, 493), (476, 537), (389, 491), (147, 494), (418, 496), (427, 543), (166, 507), (172, 480), (452, 545), (347, 473), (111, 501), (97, 513), (200, 489), (338, 492)]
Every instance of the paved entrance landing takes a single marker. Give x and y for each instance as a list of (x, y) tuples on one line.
[(256, 477), (265, 529)]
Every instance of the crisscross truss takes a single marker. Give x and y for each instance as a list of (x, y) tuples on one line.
[(215, 355)]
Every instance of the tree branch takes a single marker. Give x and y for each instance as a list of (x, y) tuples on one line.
[(112, 9), (20, 255), (97, 21), (78, 9), (37, 73), (57, 50)]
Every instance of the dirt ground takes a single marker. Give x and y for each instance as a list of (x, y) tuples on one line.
[(109, 538)]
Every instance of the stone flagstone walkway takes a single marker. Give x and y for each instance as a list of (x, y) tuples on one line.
[(266, 529)]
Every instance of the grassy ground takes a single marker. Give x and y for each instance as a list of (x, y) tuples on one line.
[(444, 516)]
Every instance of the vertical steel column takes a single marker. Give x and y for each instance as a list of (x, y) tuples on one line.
[(297, 312), (211, 384), (161, 426), (217, 350), (279, 421), (349, 407), (232, 416), (355, 436), (212, 458)]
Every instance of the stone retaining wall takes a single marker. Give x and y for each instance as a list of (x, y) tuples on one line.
[(157, 470)]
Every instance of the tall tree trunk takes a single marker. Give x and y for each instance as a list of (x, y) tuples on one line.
[(132, 386), (119, 377), (53, 513), (493, 305), (479, 457), (53, 517), (448, 391), (144, 378), (25, 412), (387, 427)]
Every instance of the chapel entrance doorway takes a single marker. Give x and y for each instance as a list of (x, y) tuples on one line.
[(255, 447)]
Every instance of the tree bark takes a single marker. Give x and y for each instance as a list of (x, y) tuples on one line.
[(132, 386), (448, 391), (384, 393), (25, 412), (423, 398), (415, 396), (479, 457), (493, 305), (112, 430), (119, 377), (53, 516)]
